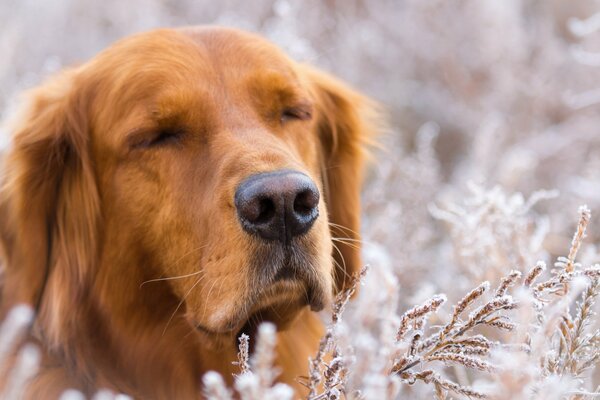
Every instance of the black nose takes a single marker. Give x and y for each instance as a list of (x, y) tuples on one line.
[(277, 205)]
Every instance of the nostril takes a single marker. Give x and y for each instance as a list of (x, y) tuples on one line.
[(266, 211), (257, 210), (306, 201)]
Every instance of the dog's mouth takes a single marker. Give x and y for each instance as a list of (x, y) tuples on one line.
[(280, 304), (280, 310), (281, 288)]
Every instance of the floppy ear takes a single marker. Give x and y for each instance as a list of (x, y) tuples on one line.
[(48, 198), (347, 123)]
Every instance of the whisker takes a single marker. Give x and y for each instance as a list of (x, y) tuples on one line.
[(170, 278), (340, 254), (344, 269), (275, 312), (181, 302), (175, 264), (337, 266), (305, 294), (344, 228), (345, 239), (192, 331), (246, 312), (189, 252), (209, 292), (352, 245), (220, 288)]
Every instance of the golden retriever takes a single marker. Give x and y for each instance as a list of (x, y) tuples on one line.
[(176, 190)]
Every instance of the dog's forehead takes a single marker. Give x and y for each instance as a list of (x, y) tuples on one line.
[(231, 46), (169, 73), (203, 59), (204, 50)]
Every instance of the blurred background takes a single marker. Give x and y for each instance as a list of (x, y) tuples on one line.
[(488, 102)]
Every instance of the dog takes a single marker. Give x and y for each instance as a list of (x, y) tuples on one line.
[(173, 192)]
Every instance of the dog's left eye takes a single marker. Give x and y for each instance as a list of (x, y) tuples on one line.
[(302, 113)]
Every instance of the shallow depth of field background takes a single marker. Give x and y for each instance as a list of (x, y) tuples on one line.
[(497, 93)]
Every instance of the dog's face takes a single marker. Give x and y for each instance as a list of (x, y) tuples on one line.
[(210, 171), (201, 158)]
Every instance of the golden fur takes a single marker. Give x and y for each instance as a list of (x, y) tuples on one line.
[(117, 218)]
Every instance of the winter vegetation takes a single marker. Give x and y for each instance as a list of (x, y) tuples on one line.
[(532, 336), (483, 260)]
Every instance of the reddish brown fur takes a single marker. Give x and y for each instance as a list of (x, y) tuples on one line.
[(89, 204)]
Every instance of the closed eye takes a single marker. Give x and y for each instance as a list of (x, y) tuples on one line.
[(166, 136), (162, 137), (303, 113)]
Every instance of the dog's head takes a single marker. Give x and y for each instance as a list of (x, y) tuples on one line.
[(204, 158)]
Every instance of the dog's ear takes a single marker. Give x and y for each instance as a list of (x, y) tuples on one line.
[(347, 123), (48, 199)]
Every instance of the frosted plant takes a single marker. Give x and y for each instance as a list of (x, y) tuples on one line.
[(244, 353), (12, 331), (492, 229), (368, 352), (454, 342), (403, 181), (215, 387), (551, 346), (25, 368), (563, 335), (332, 374), (258, 373)]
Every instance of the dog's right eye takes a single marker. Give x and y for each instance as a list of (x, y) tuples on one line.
[(165, 136), (302, 112), (162, 137)]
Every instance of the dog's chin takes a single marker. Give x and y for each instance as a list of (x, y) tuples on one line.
[(280, 303)]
